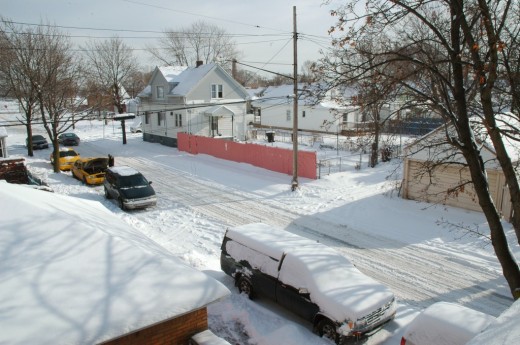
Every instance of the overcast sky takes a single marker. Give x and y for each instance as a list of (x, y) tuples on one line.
[(262, 28)]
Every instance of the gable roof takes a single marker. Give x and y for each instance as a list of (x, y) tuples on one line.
[(73, 271), (183, 79)]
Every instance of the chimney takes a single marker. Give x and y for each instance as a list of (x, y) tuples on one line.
[(199, 63)]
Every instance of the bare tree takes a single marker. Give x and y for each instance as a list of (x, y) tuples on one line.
[(57, 78), (41, 72), (199, 42), (20, 54), (450, 57), (111, 64)]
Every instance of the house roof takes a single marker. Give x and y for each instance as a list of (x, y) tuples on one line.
[(182, 79), (434, 145), (278, 94), (71, 270)]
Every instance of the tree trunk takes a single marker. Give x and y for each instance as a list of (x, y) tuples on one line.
[(510, 268)]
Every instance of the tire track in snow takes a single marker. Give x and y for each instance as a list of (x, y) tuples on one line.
[(418, 275)]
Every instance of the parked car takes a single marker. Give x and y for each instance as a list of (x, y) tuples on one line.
[(68, 139), (137, 126), (129, 187), (445, 323), (90, 170), (38, 142), (308, 278), (67, 158)]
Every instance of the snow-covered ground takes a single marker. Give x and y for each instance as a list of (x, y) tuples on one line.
[(420, 251)]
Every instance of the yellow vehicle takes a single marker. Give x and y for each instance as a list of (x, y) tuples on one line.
[(90, 170), (67, 158)]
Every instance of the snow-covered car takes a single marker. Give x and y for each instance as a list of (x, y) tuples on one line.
[(90, 170), (129, 188), (308, 278), (38, 142), (444, 323), (67, 158), (68, 139)]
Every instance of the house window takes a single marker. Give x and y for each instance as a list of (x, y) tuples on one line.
[(160, 118), (288, 114), (178, 120), (160, 92), (147, 118), (217, 91), (303, 113), (345, 117)]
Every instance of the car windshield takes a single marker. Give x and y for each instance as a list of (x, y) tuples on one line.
[(137, 180), (69, 153)]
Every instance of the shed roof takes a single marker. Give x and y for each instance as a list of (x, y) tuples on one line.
[(73, 271)]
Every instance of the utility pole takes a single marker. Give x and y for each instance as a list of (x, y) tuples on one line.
[(294, 183)]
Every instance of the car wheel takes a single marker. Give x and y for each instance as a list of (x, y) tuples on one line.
[(327, 329), (244, 286), (121, 204), (84, 180), (107, 194)]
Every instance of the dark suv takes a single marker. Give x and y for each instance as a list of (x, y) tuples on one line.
[(129, 187)]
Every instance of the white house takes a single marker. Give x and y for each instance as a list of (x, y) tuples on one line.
[(203, 100), (273, 107)]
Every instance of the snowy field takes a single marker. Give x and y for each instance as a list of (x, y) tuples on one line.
[(420, 251)]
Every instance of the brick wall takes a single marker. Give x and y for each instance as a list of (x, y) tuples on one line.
[(175, 331)]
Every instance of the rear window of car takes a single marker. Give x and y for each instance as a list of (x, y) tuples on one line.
[(132, 181), (68, 153)]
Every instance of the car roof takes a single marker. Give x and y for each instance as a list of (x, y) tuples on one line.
[(123, 170)]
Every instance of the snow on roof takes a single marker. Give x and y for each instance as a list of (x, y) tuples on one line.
[(124, 170), (170, 72), (189, 78), (332, 280), (503, 330), (446, 323), (73, 271), (277, 94)]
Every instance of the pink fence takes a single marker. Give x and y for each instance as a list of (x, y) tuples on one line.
[(267, 157)]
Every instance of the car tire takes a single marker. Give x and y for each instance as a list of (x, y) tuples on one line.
[(121, 205), (244, 286), (107, 194), (327, 329), (84, 179)]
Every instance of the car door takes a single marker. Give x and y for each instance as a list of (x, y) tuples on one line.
[(291, 292)]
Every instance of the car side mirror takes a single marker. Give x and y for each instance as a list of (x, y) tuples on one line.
[(149, 182)]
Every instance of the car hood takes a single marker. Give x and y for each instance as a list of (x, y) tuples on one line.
[(334, 283), (137, 192)]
